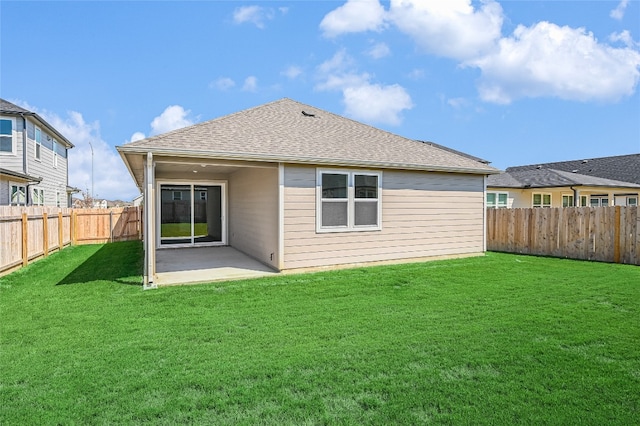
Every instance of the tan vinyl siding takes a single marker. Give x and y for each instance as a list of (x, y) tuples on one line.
[(423, 215), (253, 213)]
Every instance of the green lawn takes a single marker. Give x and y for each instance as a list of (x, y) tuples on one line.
[(182, 229), (500, 339)]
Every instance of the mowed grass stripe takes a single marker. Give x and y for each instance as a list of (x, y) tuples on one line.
[(499, 339)]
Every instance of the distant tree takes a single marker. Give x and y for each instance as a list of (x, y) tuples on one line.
[(87, 200)]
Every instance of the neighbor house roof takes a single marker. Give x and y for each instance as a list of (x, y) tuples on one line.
[(8, 108), (21, 176), (550, 178), (289, 131), (625, 168)]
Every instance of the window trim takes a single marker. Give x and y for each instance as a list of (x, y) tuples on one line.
[(351, 201), (18, 185), (497, 203), (37, 195), (600, 197), (542, 204), (571, 198), (13, 137), (55, 154), (37, 146)]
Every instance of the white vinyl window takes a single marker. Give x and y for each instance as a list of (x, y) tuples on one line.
[(567, 201), (58, 199), (632, 201), (38, 145), (541, 200), (497, 200), (55, 154), (18, 194), (7, 127), (583, 201), (348, 201), (599, 201), (177, 195), (38, 197)]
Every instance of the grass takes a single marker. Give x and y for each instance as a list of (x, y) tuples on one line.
[(182, 229), (500, 339)]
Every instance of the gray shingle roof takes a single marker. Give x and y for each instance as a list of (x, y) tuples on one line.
[(549, 178), (8, 107), (625, 168), (280, 131)]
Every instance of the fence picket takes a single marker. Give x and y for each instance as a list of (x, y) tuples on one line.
[(607, 234)]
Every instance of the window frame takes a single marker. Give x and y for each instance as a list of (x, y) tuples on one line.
[(570, 198), (37, 146), (55, 154), (497, 204), (173, 195), (351, 201), (632, 197), (599, 197), (542, 203), (37, 195), (13, 137), (24, 193)]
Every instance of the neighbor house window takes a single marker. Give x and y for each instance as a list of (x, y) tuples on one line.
[(567, 201), (348, 201), (38, 197), (541, 200), (497, 200), (55, 153), (38, 138), (583, 201), (632, 201), (7, 125), (18, 194), (599, 201), (177, 195), (203, 195), (58, 199)]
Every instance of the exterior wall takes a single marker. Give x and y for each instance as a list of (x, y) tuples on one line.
[(253, 213), (13, 162), (4, 191), (523, 198), (423, 215), (54, 179)]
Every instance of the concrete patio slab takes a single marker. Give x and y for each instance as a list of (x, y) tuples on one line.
[(206, 264)]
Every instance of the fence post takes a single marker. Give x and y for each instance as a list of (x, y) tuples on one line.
[(45, 234), (73, 219), (25, 251), (616, 236), (111, 226), (60, 240)]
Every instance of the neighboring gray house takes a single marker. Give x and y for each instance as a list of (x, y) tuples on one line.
[(33, 160), (296, 187), (603, 181)]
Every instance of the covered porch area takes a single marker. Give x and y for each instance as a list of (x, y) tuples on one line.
[(191, 265)]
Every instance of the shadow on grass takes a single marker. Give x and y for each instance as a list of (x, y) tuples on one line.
[(117, 262)]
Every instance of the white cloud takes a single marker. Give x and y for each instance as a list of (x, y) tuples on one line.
[(292, 72), (379, 50), (137, 136), (364, 100), (618, 12), (624, 37), (416, 74), (222, 83), (250, 84), (111, 179), (563, 62), (377, 103), (172, 118), (256, 15), (451, 28), (354, 16), (458, 103)]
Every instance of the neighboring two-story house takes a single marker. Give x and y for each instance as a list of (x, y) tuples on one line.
[(594, 182), (33, 160)]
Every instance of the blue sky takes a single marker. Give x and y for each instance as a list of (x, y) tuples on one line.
[(514, 82)]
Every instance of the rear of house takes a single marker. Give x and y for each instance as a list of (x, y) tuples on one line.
[(297, 188)]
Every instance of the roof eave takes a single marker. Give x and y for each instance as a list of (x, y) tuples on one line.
[(43, 122), (302, 160)]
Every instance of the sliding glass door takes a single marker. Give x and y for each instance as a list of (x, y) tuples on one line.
[(192, 214)]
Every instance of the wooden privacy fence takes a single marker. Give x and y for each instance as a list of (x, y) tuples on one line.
[(30, 233), (606, 234)]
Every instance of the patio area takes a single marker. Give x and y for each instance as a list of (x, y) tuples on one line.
[(206, 264)]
